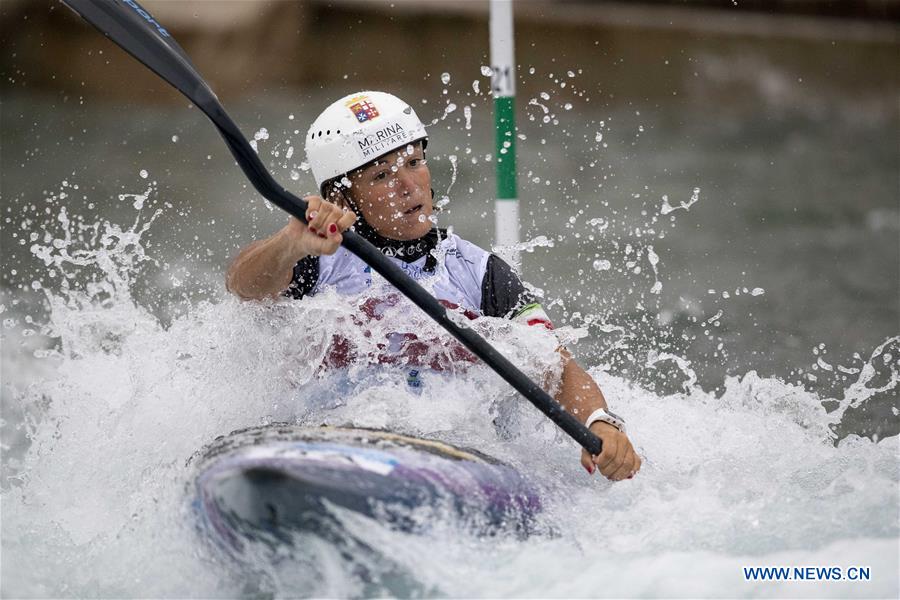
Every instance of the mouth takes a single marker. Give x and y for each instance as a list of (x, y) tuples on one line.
[(413, 210)]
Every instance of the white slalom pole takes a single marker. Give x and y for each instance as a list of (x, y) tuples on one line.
[(503, 87)]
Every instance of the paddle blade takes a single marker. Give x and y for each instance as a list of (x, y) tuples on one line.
[(133, 28), (130, 26)]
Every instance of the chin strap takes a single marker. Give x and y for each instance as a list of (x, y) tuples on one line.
[(406, 250)]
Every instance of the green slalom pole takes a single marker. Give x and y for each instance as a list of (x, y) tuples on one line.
[(503, 87)]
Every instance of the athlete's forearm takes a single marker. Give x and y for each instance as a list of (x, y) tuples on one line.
[(264, 268), (579, 394)]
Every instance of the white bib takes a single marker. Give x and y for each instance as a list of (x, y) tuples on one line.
[(457, 278)]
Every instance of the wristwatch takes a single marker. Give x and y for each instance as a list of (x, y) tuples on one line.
[(607, 417)]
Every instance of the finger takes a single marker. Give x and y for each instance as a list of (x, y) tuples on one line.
[(347, 219), (312, 206), (329, 229), (616, 463), (637, 464), (634, 461), (318, 214), (607, 455), (330, 226), (587, 462), (319, 218), (622, 451), (625, 469)]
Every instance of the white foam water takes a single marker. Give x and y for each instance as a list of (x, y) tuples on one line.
[(111, 404)]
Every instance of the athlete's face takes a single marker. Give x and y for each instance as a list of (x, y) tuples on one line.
[(394, 193)]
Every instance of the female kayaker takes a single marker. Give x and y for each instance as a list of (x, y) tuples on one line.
[(367, 154)]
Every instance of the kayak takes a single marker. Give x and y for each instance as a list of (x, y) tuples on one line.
[(270, 484)]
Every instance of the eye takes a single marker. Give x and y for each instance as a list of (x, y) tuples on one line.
[(380, 175)]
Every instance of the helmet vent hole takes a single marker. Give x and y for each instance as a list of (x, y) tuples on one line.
[(328, 132)]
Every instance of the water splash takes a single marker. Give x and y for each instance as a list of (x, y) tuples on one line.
[(449, 109), (95, 502), (667, 208), (261, 134)]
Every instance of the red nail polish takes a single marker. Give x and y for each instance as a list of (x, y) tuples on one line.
[(332, 228), (321, 235), (590, 470), (313, 229)]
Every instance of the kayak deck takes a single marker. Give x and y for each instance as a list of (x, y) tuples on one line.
[(268, 484)]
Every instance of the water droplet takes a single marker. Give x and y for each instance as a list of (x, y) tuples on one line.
[(567, 106), (602, 265), (486, 71), (445, 78), (143, 174), (175, 139)]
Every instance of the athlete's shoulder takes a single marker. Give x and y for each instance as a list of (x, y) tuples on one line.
[(463, 249), (505, 295)]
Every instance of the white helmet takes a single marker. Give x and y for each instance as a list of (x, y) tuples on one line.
[(356, 130)]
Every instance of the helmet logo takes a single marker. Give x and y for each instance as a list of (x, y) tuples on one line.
[(383, 140), (362, 108)]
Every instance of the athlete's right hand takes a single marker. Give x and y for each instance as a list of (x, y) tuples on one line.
[(321, 234)]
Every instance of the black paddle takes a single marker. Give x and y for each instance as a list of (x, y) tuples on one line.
[(127, 24)]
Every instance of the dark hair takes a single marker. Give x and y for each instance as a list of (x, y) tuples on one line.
[(334, 192)]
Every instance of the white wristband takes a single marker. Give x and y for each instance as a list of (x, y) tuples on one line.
[(606, 417)]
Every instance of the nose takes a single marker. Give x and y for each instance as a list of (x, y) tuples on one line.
[(405, 181)]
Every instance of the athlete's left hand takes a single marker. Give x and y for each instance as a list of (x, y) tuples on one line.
[(617, 460)]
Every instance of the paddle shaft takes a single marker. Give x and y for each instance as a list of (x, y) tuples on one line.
[(138, 33)]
